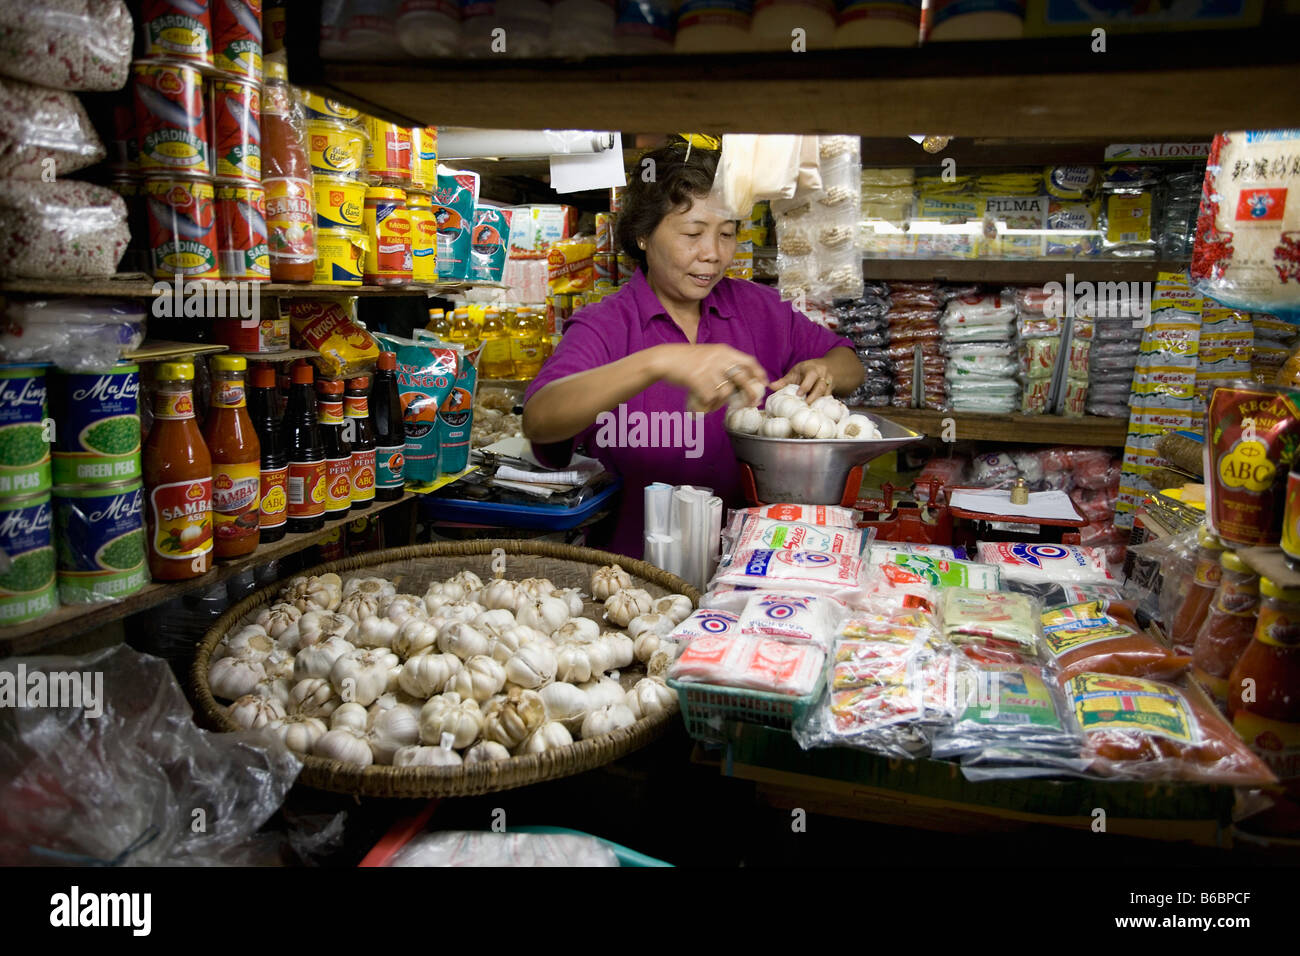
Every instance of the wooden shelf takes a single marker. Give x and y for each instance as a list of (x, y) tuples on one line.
[(138, 285), (1029, 429), (1144, 87), (156, 350), (70, 620)]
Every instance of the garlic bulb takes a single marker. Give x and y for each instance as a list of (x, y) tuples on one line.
[(351, 716), (580, 630), (649, 697), (345, 746), (744, 420), (426, 757), (378, 588), (550, 736), (435, 601), (858, 426), (572, 664), (362, 675), (358, 606), (317, 660), (463, 640), (233, 677), (502, 648), (324, 592), (573, 598), (676, 606), (401, 607), (511, 721), (298, 733), (627, 604), (449, 714), (277, 687), (252, 712), (778, 427), (807, 422), (537, 587), (602, 692), (316, 625), (532, 666), (784, 405), (621, 648), (427, 674), (278, 663), (486, 750), (249, 641), (827, 429), (414, 637), (480, 678), (468, 580), (391, 728), (278, 618), (565, 703), (501, 595), (650, 621), (661, 660), (645, 645), (495, 622), (313, 697), (601, 655), (605, 720), (546, 614), (609, 580), (830, 407)]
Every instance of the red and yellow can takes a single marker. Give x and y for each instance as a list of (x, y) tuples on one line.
[(424, 158), (237, 38), (177, 30), (424, 238), (170, 121), (235, 108), (388, 153), (388, 232), (241, 235), (182, 227)]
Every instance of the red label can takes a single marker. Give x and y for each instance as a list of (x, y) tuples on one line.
[(388, 152), (236, 129), (241, 236), (170, 122), (182, 228), (237, 38), (177, 30)]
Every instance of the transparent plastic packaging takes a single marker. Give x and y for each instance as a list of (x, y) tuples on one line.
[(744, 532), (996, 619), (711, 620), (939, 572), (793, 618), (1023, 561), (122, 787), (473, 848), (1008, 705), (1103, 637), (77, 335), (44, 133), (64, 229), (753, 663), (829, 515), (67, 44), (1053, 595), (812, 572)]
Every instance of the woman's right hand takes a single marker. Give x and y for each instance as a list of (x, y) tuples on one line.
[(711, 374)]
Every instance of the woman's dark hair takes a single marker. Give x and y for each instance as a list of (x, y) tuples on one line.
[(673, 178)]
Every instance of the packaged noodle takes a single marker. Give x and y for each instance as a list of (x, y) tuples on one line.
[(1102, 638), (571, 266), (811, 572), (1145, 729), (994, 619), (830, 515), (939, 572), (329, 326), (794, 618), (1046, 563), (1053, 595), (746, 532)]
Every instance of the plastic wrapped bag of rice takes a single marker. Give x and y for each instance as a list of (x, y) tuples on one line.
[(60, 230)]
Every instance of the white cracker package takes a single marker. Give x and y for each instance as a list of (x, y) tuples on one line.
[(831, 516), (794, 618)]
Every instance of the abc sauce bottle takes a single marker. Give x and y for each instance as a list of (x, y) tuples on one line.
[(390, 430), (307, 465), (236, 460), (338, 452), (178, 476), (356, 432)]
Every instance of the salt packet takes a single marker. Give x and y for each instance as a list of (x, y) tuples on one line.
[(792, 618)]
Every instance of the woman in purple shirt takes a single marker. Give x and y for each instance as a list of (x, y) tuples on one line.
[(641, 377)]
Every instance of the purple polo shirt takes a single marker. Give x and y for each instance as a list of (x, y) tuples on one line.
[(745, 315)]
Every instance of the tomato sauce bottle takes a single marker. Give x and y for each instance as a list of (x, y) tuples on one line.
[(236, 460), (338, 453), (178, 476), (1196, 605), (273, 470), (1228, 627), (390, 430), (307, 465), (357, 432)]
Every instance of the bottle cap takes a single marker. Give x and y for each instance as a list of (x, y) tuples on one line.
[(229, 363), (303, 374), (1272, 589), (387, 361), (263, 375), (361, 383), (330, 387), (1231, 562), (176, 371), (1207, 539)]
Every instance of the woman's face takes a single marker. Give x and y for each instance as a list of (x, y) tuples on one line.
[(689, 251)]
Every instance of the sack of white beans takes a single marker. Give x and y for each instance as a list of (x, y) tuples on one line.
[(61, 230), (37, 125), (66, 44)]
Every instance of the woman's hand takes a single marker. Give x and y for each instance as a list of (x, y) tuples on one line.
[(711, 374), (814, 378)]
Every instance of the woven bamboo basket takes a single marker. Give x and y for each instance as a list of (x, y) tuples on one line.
[(413, 569)]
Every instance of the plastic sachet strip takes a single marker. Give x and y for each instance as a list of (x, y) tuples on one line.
[(992, 618)]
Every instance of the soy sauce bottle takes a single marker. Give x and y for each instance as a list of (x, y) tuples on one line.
[(262, 406), (307, 465), (338, 453), (356, 431), (389, 428)]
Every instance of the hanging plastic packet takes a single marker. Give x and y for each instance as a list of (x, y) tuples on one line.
[(813, 572), (707, 622), (455, 424), (746, 532), (938, 572), (489, 243), (454, 200), (426, 375), (792, 618), (1008, 705), (1046, 563), (827, 515), (994, 619), (331, 328), (1097, 637)]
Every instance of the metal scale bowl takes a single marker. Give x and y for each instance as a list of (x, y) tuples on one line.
[(812, 471)]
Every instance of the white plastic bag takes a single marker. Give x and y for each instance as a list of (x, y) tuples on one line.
[(64, 229), (67, 44), (77, 335), (44, 133)]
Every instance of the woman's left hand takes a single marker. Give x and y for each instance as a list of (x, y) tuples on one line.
[(813, 377)]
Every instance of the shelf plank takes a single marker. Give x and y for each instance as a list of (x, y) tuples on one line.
[(1029, 429), (1143, 87), (138, 285), (1013, 271), (153, 350), (69, 620)]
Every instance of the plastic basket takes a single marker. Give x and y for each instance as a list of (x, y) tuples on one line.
[(707, 708)]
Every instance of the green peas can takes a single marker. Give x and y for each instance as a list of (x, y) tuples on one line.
[(27, 582), (100, 541), (24, 432), (98, 434)]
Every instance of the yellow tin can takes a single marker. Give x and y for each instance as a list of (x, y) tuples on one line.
[(320, 108), (340, 202), (388, 236), (336, 149), (424, 158), (424, 238), (388, 152), (340, 257)]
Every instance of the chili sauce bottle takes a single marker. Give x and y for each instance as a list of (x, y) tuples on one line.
[(178, 477), (236, 460)]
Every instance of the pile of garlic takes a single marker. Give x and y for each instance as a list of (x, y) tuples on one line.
[(467, 672), (787, 415)]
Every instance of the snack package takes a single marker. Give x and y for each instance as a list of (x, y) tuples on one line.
[(571, 266), (1145, 729), (754, 663), (994, 619), (746, 532), (489, 243), (1008, 705), (1036, 563), (1104, 638), (893, 592), (1053, 595), (940, 551), (329, 326), (797, 619), (813, 572), (708, 622), (827, 515), (937, 572)]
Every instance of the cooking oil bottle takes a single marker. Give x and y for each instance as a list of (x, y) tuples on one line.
[(439, 323), (527, 348), (463, 331), (495, 361)]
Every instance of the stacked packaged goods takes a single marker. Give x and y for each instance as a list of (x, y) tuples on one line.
[(914, 345), (977, 333), (865, 321)]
